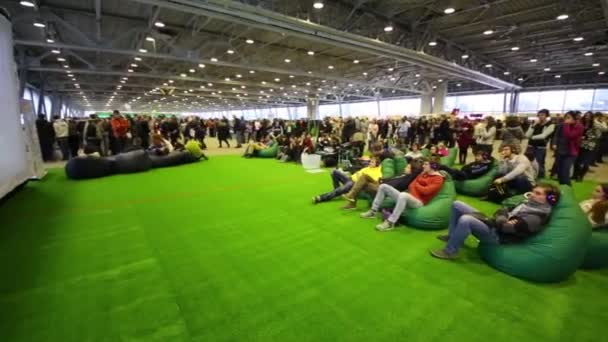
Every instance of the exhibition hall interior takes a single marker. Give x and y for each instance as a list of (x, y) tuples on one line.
[(303, 170)]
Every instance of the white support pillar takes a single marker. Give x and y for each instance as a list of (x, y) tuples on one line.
[(426, 104), (312, 106), (439, 98)]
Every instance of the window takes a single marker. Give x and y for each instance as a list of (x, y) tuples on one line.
[(450, 103), (600, 101), (369, 108), (401, 107), (483, 103), (329, 110), (579, 100), (528, 102), (552, 100)]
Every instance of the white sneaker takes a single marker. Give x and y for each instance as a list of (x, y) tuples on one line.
[(385, 226), (368, 214)]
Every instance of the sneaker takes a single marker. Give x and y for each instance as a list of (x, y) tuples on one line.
[(349, 206), (443, 238), (368, 214), (442, 254), (348, 198), (316, 200), (385, 226)]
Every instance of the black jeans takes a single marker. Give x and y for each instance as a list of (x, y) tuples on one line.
[(342, 184), (519, 185), (582, 163), (65, 147), (563, 167), (540, 154)]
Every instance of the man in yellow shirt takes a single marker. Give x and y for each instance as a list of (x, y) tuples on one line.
[(343, 183)]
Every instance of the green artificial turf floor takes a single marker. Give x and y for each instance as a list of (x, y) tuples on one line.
[(232, 250)]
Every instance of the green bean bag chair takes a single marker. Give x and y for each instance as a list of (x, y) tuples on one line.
[(476, 187), (269, 152), (597, 250), (400, 164), (551, 255), (450, 159), (425, 152), (388, 168), (435, 215)]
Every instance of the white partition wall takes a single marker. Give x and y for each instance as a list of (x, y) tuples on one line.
[(14, 168)]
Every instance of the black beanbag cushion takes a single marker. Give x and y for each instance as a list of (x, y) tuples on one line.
[(131, 162), (172, 159), (89, 167)]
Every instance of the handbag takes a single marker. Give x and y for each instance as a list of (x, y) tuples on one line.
[(498, 193)]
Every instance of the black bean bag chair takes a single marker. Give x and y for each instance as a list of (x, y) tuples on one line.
[(86, 167), (131, 162), (172, 159)]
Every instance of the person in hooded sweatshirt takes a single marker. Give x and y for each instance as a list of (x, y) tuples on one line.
[(505, 227), (420, 192)]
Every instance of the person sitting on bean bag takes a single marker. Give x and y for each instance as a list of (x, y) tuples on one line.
[(368, 184), (433, 152), (483, 164), (159, 146), (420, 192), (596, 208), (343, 183), (254, 147), (414, 152), (442, 150), (505, 227), (380, 152), (515, 170)]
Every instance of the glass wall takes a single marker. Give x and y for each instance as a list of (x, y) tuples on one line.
[(563, 100), (482, 103), (400, 107)]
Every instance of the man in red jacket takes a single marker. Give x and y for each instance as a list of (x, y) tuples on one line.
[(420, 192), (566, 143), (120, 129)]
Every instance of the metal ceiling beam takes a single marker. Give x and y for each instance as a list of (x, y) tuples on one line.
[(272, 21), (98, 18), (605, 8), (196, 61)]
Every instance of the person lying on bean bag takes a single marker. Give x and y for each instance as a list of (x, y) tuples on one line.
[(596, 208), (343, 183), (252, 149), (482, 164), (420, 192), (159, 146), (505, 227), (369, 185)]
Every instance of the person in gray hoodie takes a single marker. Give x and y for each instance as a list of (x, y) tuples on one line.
[(507, 226), (515, 170)]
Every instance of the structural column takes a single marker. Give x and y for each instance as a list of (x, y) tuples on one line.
[(439, 98), (426, 104), (312, 108)]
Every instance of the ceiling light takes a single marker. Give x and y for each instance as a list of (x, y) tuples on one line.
[(130, 70), (56, 51), (601, 73), (506, 73), (588, 54), (66, 66), (238, 75), (263, 82), (123, 82), (356, 61), (134, 65), (287, 60), (578, 39), (49, 40), (249, 41), (143, 50), (201, 66), (558, 76), (533, 60), (230, 52), (465, 56), (417, 75), (391, 69), (515, 48), (291, 76), (433, 43), (251, 71), (183, 75), (39, 23), (562, 17), (330, 67), (393, 79), (439, 80), (488, 65), (171, 81), (243, 87), (192, 71), (309, 72), (449, 10), (60, 59), (488, 32), (137, 59), (150, 39), (210, 84), (388, 28), (459, 85), (547, 69), (277, 80), (27, 3), (595, 64), (214, 59), (159, 24), (318, 4)]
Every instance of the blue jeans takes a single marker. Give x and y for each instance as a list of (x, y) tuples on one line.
[(403, 199), (342, 184), (462, 225), (564, 164), (540, 154)]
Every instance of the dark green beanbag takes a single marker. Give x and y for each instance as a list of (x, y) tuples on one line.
[(400, 164), (476, 187), (513, 201), (269, 152), (425, 152), (450, 159), (388, 168), (553, 254), (597, 250), (435, 215)]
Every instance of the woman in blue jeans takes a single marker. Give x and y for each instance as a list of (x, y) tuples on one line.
[(507, 226)]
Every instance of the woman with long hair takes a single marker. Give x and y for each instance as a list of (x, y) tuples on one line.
[(596, 207), (485, 135), (591, 138)]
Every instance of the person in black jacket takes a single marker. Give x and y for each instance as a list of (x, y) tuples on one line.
[(348, 130), (46, 137), (367, 184), (482, 164)]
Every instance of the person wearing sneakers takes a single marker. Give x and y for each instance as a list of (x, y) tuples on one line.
[(369, 185), (420, 192), (343, 182), (506, 227)]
